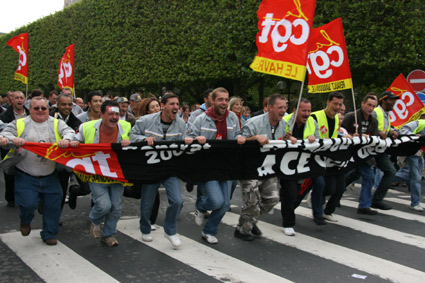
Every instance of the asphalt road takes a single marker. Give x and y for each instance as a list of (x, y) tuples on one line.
[(388, 247)]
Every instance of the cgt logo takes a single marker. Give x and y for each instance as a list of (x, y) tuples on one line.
[(65, 71), (22, 57), (96, 164), (400, 110), (322, 62), (285, 31)]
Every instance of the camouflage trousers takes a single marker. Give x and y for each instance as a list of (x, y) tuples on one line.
[(259, 197)]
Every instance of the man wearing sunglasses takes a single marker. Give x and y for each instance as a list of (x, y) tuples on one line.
[(35, 177)]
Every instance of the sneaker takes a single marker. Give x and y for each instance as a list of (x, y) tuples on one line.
[(288, 231), (153, 227), (329, 217), (319, 221), (209, 238), (417, 208), (25, 229), (246, 237), (366, 211), (199, 217), (147, 237), (174, 240), (51, 242), (110, 241), (256, 232), (309, 205), (95, 231)]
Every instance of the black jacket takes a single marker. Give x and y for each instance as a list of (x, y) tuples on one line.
[(8, 115), (73, 122)]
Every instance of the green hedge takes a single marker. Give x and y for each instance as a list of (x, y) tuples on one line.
[(144, 45)]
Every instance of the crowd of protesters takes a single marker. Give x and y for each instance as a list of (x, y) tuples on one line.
[(35, 183)]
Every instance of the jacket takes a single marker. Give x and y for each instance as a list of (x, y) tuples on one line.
[(260, 125), (204, 125)]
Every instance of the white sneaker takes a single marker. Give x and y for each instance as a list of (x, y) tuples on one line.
[(153, 227), (329, 217), (417, 208), (199, 217), (209, 238), (309, 205), (147, 238), (289, 231), (174, 240)]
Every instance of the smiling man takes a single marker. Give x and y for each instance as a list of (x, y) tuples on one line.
[(217, 123), (35, 177), (260, 196), (94, 103), (161, 126), (106, 196)]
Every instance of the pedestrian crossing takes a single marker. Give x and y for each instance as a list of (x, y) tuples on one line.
[(337, 252)]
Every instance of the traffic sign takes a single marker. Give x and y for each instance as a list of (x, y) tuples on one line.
[(416, 79)]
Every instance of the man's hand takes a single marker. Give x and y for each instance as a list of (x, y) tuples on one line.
[(241, 139), (18, 142), (262, 140), (188, 140), (311, 139), (201, 139), (3, 141), (293, 139), (125, 143), (63, 143), (382, 134), (394, 133), (74, 144), (150, 140)]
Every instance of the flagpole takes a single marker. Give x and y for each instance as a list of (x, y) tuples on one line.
[(355, 111), (298, 105)]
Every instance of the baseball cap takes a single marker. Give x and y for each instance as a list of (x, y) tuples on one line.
[(135, 97), (122, 100), (388, 94)]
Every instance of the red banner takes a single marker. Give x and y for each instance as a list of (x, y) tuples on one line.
[(66, 69), (327, 64), (20, 44), (282, 41), (409, 107)]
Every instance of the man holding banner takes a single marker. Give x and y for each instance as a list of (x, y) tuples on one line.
[(383, 162), (304, 128)]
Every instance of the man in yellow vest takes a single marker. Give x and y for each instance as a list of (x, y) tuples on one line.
[(328, 122), (304, 128), (35, 177), (383, 162), (106, 196)]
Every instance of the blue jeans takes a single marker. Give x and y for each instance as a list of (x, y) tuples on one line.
[(107, 205), (412, 175), (317, 196), (217, 199), (175, 203), (29, 191), (368, 178)]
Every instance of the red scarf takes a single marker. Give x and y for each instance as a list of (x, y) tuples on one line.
[(220, 124)]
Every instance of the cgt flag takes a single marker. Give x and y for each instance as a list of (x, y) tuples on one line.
[(409, 107), (327, 64), (20, 44), (66, 69), (282, 40)]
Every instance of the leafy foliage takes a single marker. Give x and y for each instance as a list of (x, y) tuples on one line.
[(143, 45)]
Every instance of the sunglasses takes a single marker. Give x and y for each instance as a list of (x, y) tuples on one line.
[(38, 108)]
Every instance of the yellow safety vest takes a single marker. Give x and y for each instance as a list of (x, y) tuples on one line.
[(322, 121), (380, 118), (310, 127), (89, 130)]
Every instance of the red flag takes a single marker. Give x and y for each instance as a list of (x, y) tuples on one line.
[(409, 107), (20, 44), (327, 63), (66, 69), (282, 41)]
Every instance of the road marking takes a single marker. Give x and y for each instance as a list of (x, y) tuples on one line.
[(371, 229), (207, 260), (392, 212), (53, 263), (380, 267)]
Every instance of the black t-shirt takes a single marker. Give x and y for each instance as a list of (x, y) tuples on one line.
[(298, 132), (331, 124)]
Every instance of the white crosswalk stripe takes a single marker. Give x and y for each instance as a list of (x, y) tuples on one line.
[(63, 264)]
